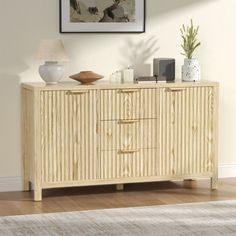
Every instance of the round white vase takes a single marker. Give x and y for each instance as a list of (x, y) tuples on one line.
[(51, 72), (191, 70)]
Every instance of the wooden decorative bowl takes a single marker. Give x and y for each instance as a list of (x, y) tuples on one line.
[(86, 77)]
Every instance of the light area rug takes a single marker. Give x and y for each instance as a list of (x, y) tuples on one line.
[(210, 219)]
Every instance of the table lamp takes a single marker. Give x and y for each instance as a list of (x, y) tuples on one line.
[(51, 51)]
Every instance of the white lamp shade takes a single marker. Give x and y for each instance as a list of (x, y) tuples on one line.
[(52, 50)]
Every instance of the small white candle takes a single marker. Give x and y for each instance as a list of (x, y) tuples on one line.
[(128, 75)]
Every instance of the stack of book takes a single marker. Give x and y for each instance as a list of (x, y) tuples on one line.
[(148, 79)]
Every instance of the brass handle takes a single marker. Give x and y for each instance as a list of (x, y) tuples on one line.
[(129, 90), (77, 92), (128, 121), (128, 151), (175, 89)]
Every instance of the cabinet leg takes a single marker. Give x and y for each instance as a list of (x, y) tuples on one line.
[(38, 195), (120, 187), (214, 183)]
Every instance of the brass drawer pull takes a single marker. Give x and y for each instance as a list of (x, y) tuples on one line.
[(129, 90), (128, 151), (77, 92), (128, 121), (175, 89)]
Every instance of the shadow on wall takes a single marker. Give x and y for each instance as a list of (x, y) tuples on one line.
[(159, 7), (136, 55)]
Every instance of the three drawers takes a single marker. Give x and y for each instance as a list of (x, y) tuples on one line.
[(129, 131)]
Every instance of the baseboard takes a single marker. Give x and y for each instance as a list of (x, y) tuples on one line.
[(9, 184), (227, 170)]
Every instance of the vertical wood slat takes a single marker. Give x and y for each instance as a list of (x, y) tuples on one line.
[(62, 139), (69, 136), (202, 120), (50, 144), (59, 130), (193, 128), (43, 137), (76, 150), (97, 116), (183, 136), (206, 127), (215, 101), (190, 133), (211, 130), (199, 128), (168, 125)]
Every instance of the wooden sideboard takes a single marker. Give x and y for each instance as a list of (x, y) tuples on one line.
[(101, 134)]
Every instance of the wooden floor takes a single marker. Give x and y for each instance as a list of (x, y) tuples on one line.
[(103, 197)]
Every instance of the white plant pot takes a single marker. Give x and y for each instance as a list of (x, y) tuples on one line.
[(191, 70)]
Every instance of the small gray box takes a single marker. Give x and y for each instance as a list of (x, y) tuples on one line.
[(164, 69)]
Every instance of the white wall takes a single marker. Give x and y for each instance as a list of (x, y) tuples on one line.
[(24, 23)]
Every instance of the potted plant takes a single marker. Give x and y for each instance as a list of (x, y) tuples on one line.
[(191, 67)]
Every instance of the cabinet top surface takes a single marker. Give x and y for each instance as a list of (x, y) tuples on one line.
[(107, 85)]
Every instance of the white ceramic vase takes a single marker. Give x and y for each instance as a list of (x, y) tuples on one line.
[(51, 72), (191, 70)]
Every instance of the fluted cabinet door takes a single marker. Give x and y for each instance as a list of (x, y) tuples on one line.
[(186, 131), (69, 136)]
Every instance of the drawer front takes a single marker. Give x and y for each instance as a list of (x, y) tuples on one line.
[(136, 164), (129, 104), (129, 134)]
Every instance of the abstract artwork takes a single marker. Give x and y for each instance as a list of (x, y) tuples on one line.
[(102, 16)]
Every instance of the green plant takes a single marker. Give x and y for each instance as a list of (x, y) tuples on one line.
[(190, 41)]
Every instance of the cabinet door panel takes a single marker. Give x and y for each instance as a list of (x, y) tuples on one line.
[(186, 131), (69, 137)]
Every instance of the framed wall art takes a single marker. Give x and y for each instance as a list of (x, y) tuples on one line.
[(105, 16)]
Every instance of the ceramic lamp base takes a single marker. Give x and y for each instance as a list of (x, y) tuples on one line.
[(51, 72)]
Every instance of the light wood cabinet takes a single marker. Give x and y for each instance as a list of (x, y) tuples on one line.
[(115, 134)]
